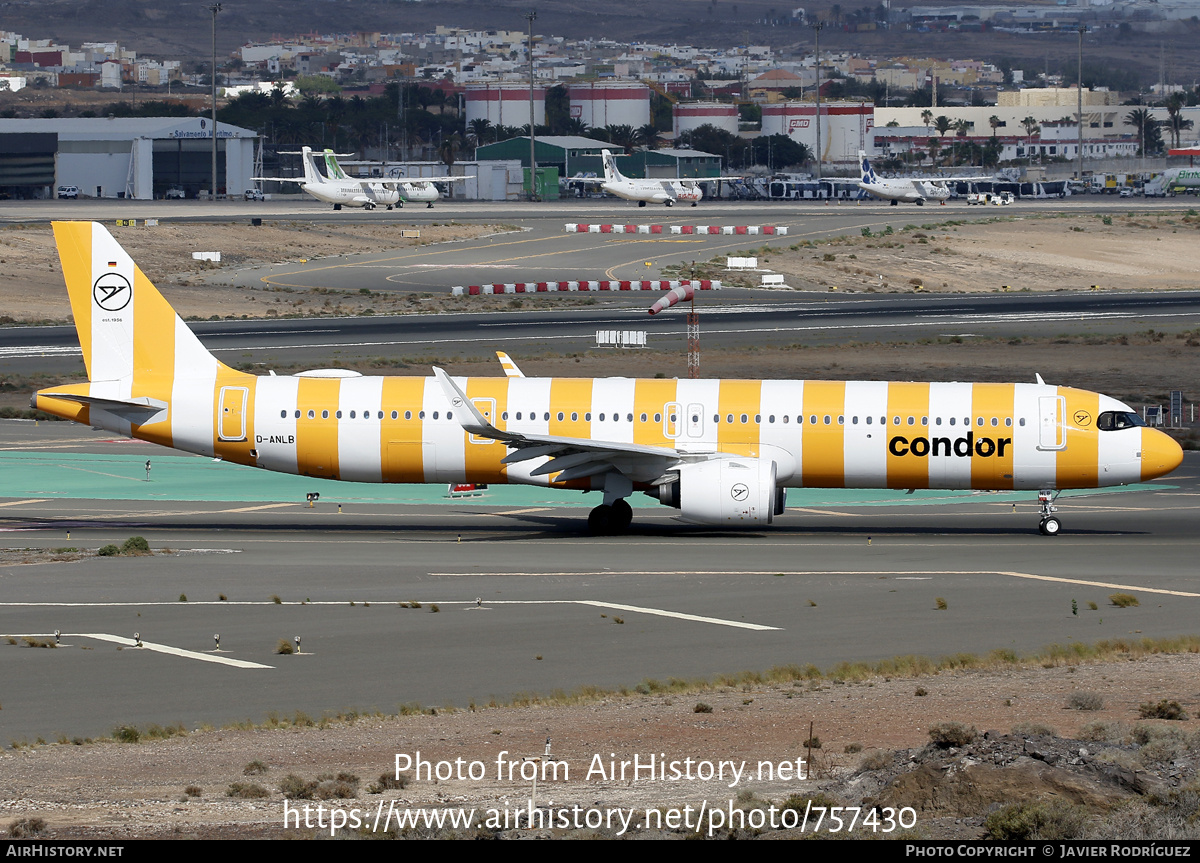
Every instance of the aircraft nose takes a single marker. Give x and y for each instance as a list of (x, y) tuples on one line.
[(1160, 454)]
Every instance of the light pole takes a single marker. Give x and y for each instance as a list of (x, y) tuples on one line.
[(1079, 92), (531, 16), (214, 9), (816, 26)]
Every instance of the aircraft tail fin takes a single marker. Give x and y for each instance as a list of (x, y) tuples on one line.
[(127, 329), (868, 173), (611, 174), (332, 169), (311, 174)]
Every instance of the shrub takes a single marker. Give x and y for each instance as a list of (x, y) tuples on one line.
[(947, 734), (108, 550), (387, 782), (135, 545), (941, 604), (126, 734), (1085, 701), (246, 791), (1058, 820), (295, 788), (803, 802), (813, 742), (1163, 710), (1033, 729), (701, 707), (1103, 731), (875, 759), (852, 748), (1123, 600), (921, 692), (192, 791), (26, 828), (284, 647), (254, 768)]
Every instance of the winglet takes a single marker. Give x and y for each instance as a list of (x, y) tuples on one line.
[(1039, 379), (477, 423), (510, 368)]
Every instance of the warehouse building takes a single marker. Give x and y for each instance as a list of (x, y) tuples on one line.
[(129, 157)]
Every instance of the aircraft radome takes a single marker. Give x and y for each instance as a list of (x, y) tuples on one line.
[(723, 452)]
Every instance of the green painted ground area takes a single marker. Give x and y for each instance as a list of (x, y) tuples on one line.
[(195, 478)]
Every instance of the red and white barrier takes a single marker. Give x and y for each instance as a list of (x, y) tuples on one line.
[(576, 228), (557, 287)]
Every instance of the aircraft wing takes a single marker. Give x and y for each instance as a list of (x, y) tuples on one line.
[(279, 179), (570, 458), (400, 181), (435, 179)]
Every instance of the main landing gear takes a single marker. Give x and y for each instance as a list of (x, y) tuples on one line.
[(610, 519), (1050, 525), (641, 203), (614, 516)]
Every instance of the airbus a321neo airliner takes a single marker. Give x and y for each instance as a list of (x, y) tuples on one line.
[(721, 451)]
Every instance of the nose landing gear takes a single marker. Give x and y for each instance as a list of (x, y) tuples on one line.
[(1050, 524)]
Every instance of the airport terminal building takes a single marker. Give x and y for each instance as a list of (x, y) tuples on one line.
[(128, 157)]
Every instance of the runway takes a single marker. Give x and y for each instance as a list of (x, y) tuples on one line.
[(525, 601), (749, 318)]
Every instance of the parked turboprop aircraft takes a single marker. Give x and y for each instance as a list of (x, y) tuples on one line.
[(421, 190), (335, 187), (666, 190), (720, 451), (908, 190)]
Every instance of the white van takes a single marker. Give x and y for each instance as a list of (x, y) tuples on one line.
[(68, 192)]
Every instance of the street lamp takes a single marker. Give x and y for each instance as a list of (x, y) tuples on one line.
[(816, 26), (1079, 92), (214, 9), (531, 16)]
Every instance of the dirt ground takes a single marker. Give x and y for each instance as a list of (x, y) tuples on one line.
[(947, 251), (33, 290), (123, 790), (951, 252)]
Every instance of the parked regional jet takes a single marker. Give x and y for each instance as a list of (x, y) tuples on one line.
[(665, 190), (908, 190), (721, 451), (335, 187)]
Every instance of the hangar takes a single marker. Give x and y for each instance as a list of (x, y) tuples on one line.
[(126, 157)]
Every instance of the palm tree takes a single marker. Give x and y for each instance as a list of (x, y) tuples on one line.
[(622, 135), (961, 127), (1031, 128), (927, 119), (646, 136), (1139, 118), (1175, 122), (480, 130)]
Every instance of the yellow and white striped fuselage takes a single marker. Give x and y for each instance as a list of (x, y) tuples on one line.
[(853, 434)]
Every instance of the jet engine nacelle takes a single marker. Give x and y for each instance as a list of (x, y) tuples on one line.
[(725, 491)]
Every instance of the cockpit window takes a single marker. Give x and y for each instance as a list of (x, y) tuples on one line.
[(1114, 420)]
